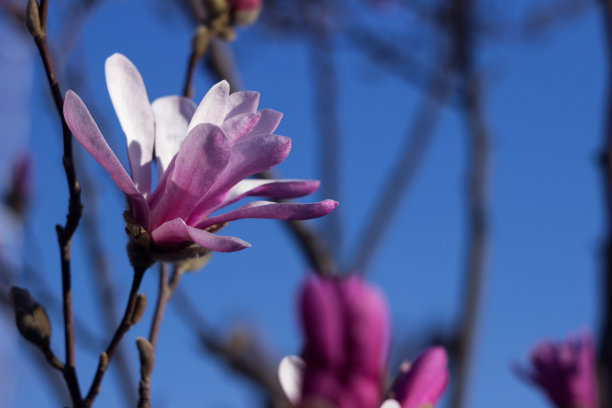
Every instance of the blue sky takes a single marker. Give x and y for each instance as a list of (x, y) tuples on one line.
[(544, 108)]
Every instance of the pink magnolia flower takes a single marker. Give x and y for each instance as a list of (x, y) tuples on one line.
[(203, 154), (566, 371), (422, 383), (346, 328), (245, 5)]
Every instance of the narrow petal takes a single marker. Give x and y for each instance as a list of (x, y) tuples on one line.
[(268, 122), (172, 117), (238, 126), (251, 154), (86, 131), (203, 156), (177, 232), (242, 102), (129, 97), (213, 107), (271, 210), (291, 375), (278, 189)]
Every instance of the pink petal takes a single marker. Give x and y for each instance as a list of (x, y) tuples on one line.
[(213, 107), (425, 381), (242, 102), (172, 117), (278, 189), (203, 156), (271, 210), (238, 126), (177, 232), (129, 97), (86, 131), (251, 154), (268, 122)]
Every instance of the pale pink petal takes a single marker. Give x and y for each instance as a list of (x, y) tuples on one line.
[(176, 232), (239, 126), (291, 375), (129, 97), (213, 107), (271, 210), (251, 154), (86, 131), (278, 189), (172, 117), (268, 122), (203, 156), (242, 102)]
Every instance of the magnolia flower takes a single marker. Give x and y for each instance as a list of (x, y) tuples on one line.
[(346, 329), (203, 155), (565, 371)]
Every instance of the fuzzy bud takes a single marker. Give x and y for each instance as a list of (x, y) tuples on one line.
[(245, 12), (31, 318), (201, 40), (139, 308), (32, 19), (146, 356)]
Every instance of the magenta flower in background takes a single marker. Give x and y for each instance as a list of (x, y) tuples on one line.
[(203, 154), (566, 371), (346, 329), (421, 384)]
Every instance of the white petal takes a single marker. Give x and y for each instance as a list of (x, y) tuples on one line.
[(213, 107), (290, 374), (390, 403)]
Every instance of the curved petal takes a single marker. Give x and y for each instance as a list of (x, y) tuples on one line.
[(278, 189), (238, 126), (176, 232), (86, 131), (172, 117), (268, 122), (271, 210), (251, 154), (129, 97), (291, 375), (242, 102), (213, 107), (203, 156)]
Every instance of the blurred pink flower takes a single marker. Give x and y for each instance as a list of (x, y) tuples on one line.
[(566, 371), (346, 329), (204, 155), (245, 5), (20, 183), (421, 384)]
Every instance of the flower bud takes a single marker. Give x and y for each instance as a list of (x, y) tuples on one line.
[(146, 356), (245, 12), (139, 308), (31, 318), (20, 187), (201, 40), (32, 19)]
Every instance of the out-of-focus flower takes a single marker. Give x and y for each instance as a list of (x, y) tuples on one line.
[(421, 384), (244, 12), (204, 155), (346, 329), (565, 371)]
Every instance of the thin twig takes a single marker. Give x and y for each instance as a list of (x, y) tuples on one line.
[(605, 346), (419, 137), (66, 232), (477, 174), (166, 289), (191, 66), (122, 329)]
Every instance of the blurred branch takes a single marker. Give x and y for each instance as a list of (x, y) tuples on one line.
[(240, 354), (419, 136), (477, 175), (605, 345), (325, 84)]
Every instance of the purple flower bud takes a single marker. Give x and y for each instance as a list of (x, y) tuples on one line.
[(566, 371), (422, 382), (346, 326)]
